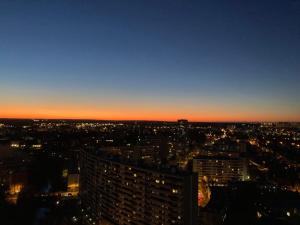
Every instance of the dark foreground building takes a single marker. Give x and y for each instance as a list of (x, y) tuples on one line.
[(125, 194)]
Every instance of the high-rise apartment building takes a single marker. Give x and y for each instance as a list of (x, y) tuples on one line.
[(121, 193), (219, 170)]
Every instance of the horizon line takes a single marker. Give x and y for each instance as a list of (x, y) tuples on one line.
[(147, 120)]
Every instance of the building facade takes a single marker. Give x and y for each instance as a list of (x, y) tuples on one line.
[(127, 194), (219, 170)]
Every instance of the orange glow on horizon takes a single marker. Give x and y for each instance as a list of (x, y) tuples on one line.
[(136, 113)]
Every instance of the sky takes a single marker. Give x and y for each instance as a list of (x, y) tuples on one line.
[(204, 60)]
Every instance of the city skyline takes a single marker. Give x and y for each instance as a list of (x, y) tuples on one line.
[(158, 60), (149, 112)]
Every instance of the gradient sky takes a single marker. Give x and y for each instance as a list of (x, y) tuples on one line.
[(150, 59)]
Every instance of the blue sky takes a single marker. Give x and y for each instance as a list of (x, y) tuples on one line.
[(224, 56)]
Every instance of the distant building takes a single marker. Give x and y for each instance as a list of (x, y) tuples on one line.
[(126, 194), (183, 122), (183, 125), (219, 170)]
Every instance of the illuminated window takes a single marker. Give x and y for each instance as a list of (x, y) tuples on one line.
[(174, 191)]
